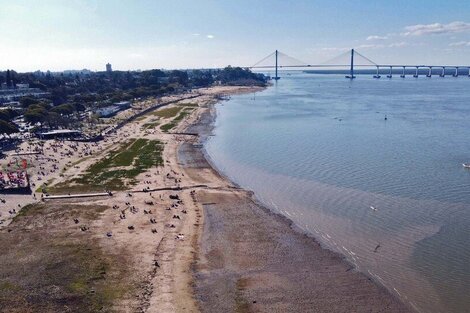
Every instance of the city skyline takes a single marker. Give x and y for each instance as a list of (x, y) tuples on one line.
[(72, 35)]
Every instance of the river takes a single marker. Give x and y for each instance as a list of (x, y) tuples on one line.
[(372, 168)]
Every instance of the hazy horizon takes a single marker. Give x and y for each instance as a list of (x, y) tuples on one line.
[(72, 35)]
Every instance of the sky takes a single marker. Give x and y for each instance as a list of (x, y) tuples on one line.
[(139, 34)]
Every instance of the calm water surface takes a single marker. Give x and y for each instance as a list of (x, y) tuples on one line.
[(318, 149)]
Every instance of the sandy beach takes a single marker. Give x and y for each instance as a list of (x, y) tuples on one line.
[(175, 237)]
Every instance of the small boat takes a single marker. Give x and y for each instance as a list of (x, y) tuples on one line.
[(373, 208), (466, 165)]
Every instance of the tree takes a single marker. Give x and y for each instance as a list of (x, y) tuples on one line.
[(239, 76), (64, 109), (36, 113), (59, 95), (201, 79), (7, 128), (8, 114), (53, 120), (34, 117), (8, 79), (27, 101), (179, 77)]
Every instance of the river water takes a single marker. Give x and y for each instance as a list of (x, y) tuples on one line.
[(319, 150)]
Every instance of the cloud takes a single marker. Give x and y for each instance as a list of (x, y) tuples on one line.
[(374, 37), (333, 49), (398, 44), (136, 55), (436, 28), (460, 44), (196, 35), (371, 46), (210, 36), (368, 46)]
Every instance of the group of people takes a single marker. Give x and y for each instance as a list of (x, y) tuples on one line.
[(13, 179)]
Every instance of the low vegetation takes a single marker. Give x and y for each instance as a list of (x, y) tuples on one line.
[(150, 125), (189, 104), (176, 120), (118, 169), (49, 265), (167, 112), (166, 127)]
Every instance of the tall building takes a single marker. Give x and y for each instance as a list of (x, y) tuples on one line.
[(108, 68)]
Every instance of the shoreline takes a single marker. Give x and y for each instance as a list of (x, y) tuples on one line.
[(387, 299), (191, 240)]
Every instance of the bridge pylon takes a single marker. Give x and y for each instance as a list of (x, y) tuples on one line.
[(351, 69), (276, 77)]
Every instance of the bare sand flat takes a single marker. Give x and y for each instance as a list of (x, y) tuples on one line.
[(252, 261)]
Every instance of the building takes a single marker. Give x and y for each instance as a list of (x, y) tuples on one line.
[(14, 94), (22, 86), (107, 111), (14, 181), (109, 69), (111, 110), (123, 104), (60, 133), (13, 105)]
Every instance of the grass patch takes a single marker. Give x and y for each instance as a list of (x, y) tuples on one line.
[(150, 125), (166, 127), (176, 120), (29, 209), (167, 112), (141, 118), (7, 286), (43, 210), (117, 170), (189, 104), (49, 265), (44, 186), (182, 115)]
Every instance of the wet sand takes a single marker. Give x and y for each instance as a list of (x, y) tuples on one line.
[(252, 260)]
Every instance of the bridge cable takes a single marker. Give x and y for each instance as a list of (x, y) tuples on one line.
[(288, 57), (264, 59), (338, 57), (366, 58)]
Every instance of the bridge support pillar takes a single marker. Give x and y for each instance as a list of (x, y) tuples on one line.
[(390, 73), (403, 73), (377, 75), (276, 77), (430, 72), (417, 71), (456, 74), (443, 73), (351, 70)]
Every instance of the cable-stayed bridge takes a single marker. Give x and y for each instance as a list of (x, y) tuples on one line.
[(353, 59)]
